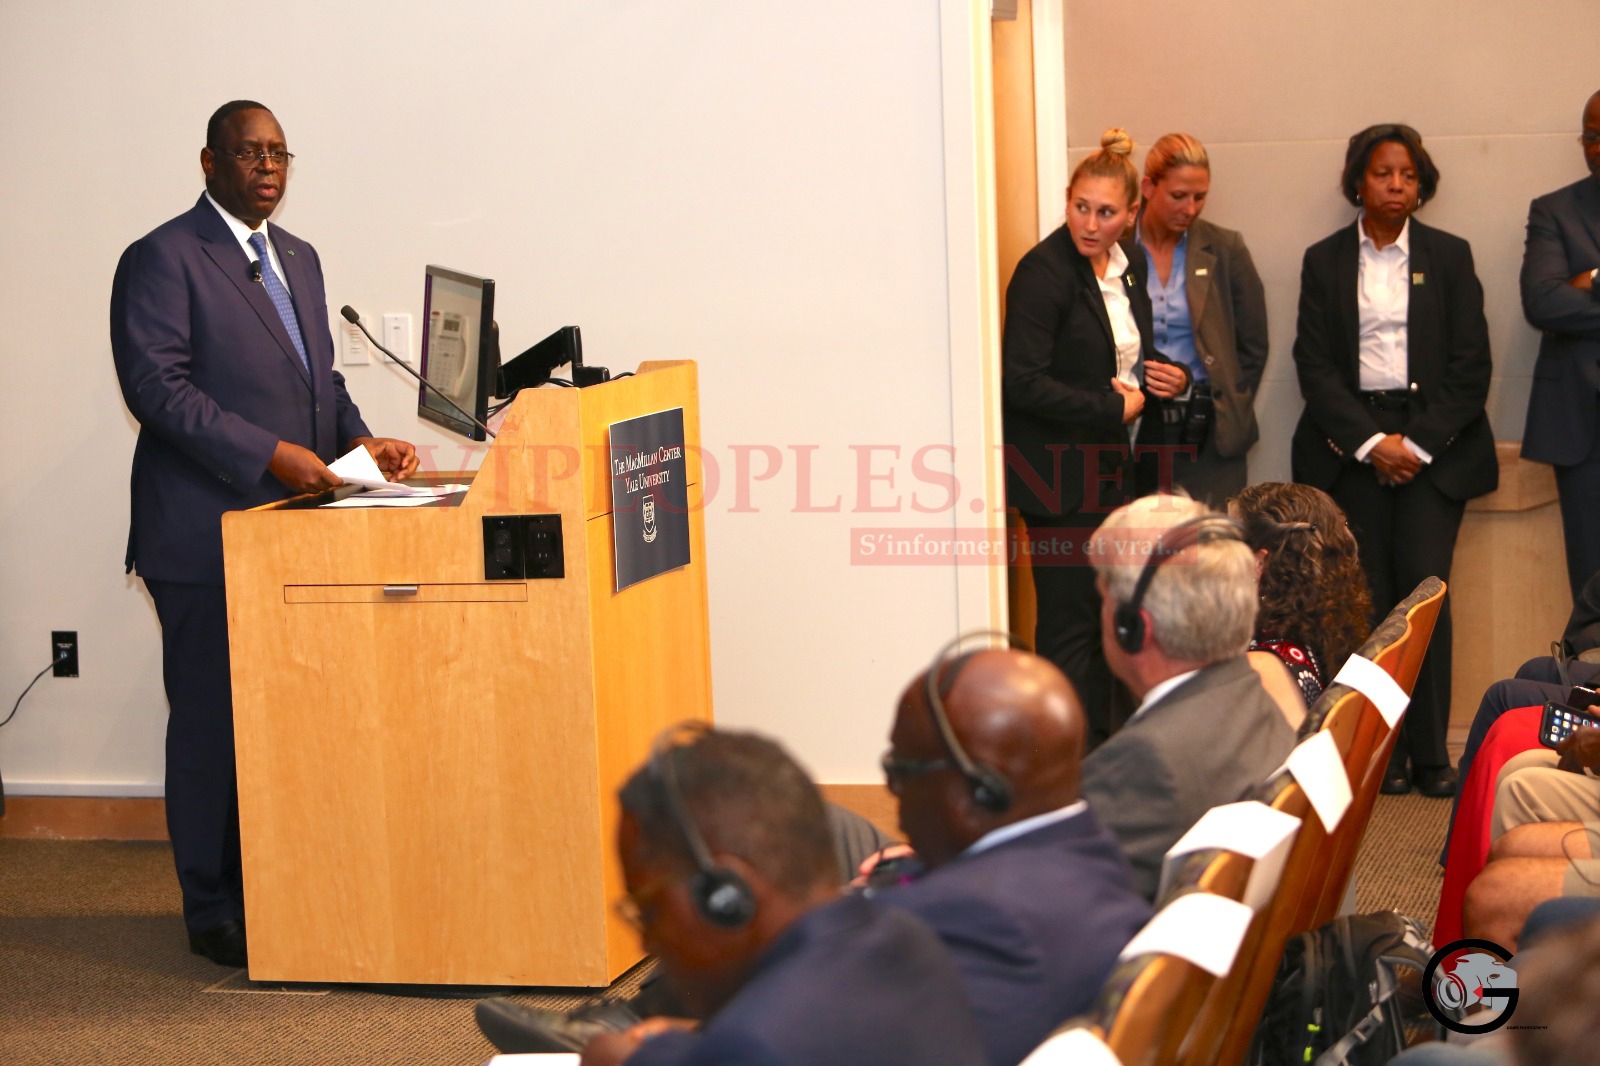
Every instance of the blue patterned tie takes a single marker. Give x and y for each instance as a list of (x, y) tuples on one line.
[(280, 298)]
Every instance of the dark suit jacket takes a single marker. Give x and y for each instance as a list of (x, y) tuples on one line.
[(1563, 241), (1063, 421), (1205, 743), (1447, 362), (1228, 310), (851, 982), (1034, 925), (208, 369)]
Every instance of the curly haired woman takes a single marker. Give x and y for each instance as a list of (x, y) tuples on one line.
[(1314, 601)]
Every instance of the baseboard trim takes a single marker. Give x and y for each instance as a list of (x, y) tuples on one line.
[(84, 818), (139, 818)]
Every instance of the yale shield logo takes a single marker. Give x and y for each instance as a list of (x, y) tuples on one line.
[(1469, 986), (649, 519)]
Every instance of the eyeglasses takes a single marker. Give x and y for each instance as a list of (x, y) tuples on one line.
[(247, 156), (897, 769)]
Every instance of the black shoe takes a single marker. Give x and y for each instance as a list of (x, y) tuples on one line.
[(519, 1030), (1396, 780), (223, 944), (1436, 781)]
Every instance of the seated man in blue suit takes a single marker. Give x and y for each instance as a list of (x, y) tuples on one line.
[(219, 329), (1031, 895), (731, 880)]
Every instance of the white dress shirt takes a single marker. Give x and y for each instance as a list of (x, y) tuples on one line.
[(1159, 689), (996, 837), (241, 233), (1383, 300), (1124, 330)]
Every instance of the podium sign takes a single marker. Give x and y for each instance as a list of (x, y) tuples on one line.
[(649, 496)]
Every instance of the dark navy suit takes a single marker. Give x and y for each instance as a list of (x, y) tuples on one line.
[(849, 983), (1564, 404), (1034, 925), (208, 369)]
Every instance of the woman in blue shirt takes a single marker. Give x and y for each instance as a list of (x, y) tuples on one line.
[(1210, 314)]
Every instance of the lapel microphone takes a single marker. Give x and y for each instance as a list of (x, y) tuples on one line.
[(255, 270)]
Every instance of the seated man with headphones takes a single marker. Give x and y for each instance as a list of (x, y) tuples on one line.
[(1179, 594), (1026, 888), (731, 880)]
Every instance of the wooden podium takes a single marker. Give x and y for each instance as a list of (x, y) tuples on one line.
[(428, 761)]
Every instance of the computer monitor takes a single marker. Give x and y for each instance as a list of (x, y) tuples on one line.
[(460, 349)]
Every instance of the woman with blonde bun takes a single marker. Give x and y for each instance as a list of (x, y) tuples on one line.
[(1210, 314), (1079, 368)]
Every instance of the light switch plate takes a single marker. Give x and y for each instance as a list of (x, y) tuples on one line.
[(397, 335)]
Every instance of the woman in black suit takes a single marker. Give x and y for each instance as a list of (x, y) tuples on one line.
[(1078, 365), (1392, 352)]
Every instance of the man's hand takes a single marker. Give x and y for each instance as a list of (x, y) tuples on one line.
[(1581, 750), (1394, 462), (300, 470), (1132, 400), (396, 458), (1584, 281), (609, 1049), (1165, 380), (870, 863)]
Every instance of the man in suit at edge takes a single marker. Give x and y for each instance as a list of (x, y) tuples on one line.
[(219, 330), (1205, 731), (1028, 891), (729, 867), (1560, 298)]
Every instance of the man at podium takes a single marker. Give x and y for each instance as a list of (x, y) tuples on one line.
[(219, 330)]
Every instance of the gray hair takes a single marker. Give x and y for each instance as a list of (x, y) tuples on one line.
[(1202, 603)]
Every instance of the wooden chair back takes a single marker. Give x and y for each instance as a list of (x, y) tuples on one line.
[(1222, 1028), (1401, 659), (1148, 1003)]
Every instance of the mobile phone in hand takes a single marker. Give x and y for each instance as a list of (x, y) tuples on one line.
[(1559, 722)]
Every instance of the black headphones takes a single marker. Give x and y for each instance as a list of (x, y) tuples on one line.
[(990, 790), (722, 897), (1128, 623)]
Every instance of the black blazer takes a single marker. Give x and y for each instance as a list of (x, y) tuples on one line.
[(1448, 364), (1563, 241), (210, 373), (1063, 420)]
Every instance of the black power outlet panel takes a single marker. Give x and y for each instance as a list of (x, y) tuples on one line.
[(542, 549), (64, 652), (526, 546), (502, 547)]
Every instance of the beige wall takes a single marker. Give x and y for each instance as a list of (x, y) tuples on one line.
[(1275, 89), (764, 188)]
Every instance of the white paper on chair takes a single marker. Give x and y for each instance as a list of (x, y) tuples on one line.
[(1316, 765), (1250, 828), (1075, 1047), (554, 1058), (1203, 928), (1374, 682)]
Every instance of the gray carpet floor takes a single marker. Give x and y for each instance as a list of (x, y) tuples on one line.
[(95, 968)]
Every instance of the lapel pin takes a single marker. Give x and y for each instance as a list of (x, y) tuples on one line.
[(1418, 278), (1199, 272), (1129, 280)]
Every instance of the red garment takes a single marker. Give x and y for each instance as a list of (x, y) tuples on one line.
[(1514, 732)]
